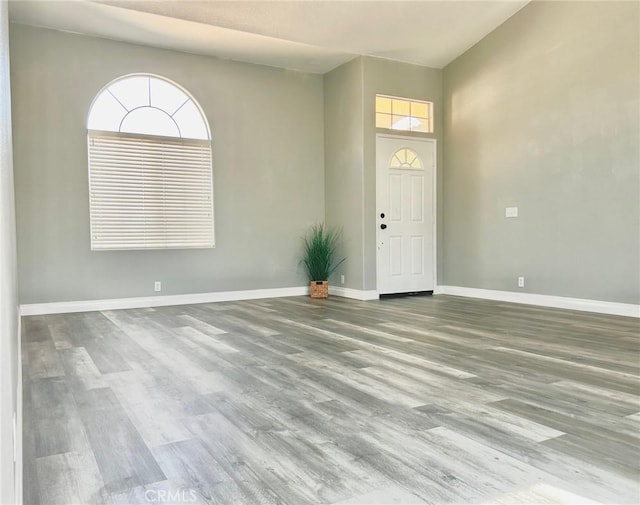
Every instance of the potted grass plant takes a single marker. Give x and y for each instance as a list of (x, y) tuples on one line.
[(320, 258)]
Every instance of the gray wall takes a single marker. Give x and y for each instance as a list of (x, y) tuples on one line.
[(344, 166), (9, 342), (544, 114), (394, 78), (268, 149)]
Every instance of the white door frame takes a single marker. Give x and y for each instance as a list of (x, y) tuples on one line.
[(434, 200)]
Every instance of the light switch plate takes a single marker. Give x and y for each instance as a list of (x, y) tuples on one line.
[(511, 212)]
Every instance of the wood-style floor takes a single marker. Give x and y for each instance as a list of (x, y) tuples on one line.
[(295, 401)]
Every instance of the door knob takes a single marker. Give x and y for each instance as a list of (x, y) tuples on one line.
[(383, 226)]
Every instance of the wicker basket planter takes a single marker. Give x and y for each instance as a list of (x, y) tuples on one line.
[(320, 258), (319, 289)]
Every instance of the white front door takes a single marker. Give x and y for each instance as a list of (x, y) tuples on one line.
[(405, 196)]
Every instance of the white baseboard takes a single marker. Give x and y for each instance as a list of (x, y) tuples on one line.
[(559, 302), (18, 445), (31, 309), (356, 294)]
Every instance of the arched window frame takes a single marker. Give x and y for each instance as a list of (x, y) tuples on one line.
[(148, 190), (405, 158)]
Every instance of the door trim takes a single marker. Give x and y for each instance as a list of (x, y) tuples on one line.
[(434, 199)]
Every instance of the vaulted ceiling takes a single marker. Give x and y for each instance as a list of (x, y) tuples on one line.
[(307, 35)]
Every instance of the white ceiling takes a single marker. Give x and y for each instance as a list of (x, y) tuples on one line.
[(308, 35)]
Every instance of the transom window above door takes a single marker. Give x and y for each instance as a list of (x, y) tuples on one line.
[(395, 113)]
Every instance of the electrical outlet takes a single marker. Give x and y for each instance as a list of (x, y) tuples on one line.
[(342, 279), (157, 286), (511, 212), (520, 282)]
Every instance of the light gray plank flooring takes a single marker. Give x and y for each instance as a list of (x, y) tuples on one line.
[(293, 401)]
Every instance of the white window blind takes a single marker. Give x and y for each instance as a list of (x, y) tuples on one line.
[(149, 192)]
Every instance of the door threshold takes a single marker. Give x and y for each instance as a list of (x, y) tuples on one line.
[(409, 293)]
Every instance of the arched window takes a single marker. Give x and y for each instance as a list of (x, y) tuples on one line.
[(405, 158), (150, 174)]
